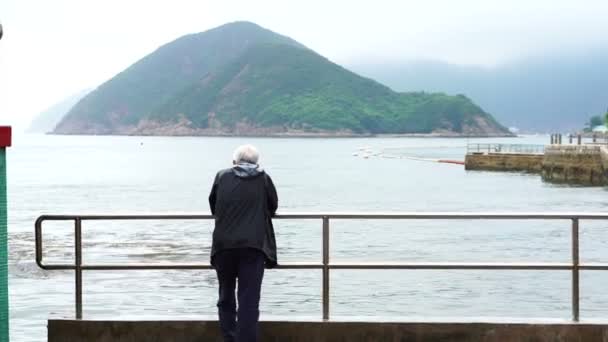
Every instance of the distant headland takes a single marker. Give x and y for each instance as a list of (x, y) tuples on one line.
[(242, 79)]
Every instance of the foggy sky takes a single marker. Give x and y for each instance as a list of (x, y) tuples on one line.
[(52, 49)]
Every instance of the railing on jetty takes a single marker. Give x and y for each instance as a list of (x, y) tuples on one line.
[(574, 266), (570, 149), (506, 148)]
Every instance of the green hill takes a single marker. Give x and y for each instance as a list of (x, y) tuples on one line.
[(557, 92), (255, 82)]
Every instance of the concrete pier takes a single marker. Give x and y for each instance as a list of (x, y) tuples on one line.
[(504, 162), (319, 331), (571, 164), (584, 165)]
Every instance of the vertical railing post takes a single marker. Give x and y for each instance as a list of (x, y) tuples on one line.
[(325, 268), (575, 271), (78, 265), (5, 142)]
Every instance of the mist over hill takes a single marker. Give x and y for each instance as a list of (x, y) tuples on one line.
[(46, 121), (552, 93)]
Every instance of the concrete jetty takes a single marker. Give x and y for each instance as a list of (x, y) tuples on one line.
[(576, 164), (571, 164)]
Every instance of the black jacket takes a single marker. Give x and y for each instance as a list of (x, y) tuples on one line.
[(243, 200)]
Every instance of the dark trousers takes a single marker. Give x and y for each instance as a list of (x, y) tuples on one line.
[(246, 265)]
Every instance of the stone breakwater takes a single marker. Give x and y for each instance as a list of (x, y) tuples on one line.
[(569, 164), (504, 162), (579, 164)]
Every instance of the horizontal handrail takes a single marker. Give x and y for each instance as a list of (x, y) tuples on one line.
[(345, 215), (565, 149), (575, 266), (385, 265), (505, 148)]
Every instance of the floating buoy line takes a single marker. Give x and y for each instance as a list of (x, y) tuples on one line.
[(367, 152)]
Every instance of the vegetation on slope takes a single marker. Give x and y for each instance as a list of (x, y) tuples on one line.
[(241, 75), (280, 85)]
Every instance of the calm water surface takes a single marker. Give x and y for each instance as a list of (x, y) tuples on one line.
[(69, 174)]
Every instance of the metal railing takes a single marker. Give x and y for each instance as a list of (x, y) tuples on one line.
[(574, 266), (506, 148), (578, 149)]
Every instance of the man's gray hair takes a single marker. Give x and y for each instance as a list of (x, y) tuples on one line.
[(246, 154)]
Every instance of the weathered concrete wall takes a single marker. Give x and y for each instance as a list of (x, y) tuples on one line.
[(574, 165), (604, 157), (191, 331), (504, 162), (571, 164)]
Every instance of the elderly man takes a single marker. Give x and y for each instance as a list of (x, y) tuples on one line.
[(243, 200)]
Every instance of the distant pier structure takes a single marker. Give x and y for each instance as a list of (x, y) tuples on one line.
[(579, 161), (505, 157)]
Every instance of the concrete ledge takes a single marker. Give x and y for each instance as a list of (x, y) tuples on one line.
[(569, 164), (63, 330), (504, 162), (574, 165)]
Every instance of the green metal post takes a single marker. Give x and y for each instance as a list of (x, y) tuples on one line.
[(5, 141)]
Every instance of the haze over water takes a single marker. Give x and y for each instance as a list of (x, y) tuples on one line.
[(78, 174)]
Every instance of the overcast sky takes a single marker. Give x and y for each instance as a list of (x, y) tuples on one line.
[(52, 49)]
